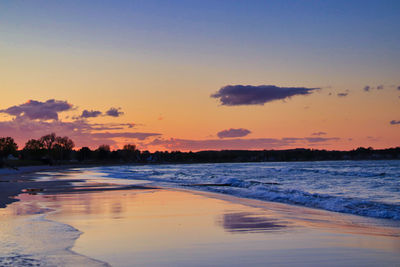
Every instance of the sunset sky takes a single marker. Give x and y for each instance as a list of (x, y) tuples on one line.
[(197, 75)]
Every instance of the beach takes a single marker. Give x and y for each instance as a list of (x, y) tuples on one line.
[(74, 218)]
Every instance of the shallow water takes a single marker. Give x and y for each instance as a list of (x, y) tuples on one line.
[(27, 238), (179, 228)]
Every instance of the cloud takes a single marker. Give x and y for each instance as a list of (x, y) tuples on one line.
[(130, 135), (111, 126), (236, 144), (232, 133), (320, 139), (369, 88), (34, 119), (398, 87), (235, 95), (114, 112), (90, 114), (394, 122), (82, 132), (342, 94), (36, 110), (319, 133)]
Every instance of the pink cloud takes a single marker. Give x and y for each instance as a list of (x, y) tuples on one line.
[(236, 144), (34, 119), (82, 132)]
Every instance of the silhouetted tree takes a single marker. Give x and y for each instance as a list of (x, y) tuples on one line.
[(103, 152), (84, 154), (48, 140), (56, 147), (62, 147), (35, 149), (130, 153), (7, 147)]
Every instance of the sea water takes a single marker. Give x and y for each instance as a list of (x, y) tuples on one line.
[(366, 188)]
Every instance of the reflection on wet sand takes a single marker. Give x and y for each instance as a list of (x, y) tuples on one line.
[(155, 227), (250, 222)]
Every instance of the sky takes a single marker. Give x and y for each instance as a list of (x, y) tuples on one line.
[(202, 75)]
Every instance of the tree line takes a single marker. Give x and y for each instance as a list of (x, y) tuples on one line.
[(53, 149)]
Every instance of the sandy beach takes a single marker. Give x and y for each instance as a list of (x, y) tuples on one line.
[(72, 218)]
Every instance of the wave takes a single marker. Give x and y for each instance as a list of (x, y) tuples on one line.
[(362, 188), (313, 200)]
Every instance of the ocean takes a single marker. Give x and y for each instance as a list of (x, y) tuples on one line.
[(365, 188)]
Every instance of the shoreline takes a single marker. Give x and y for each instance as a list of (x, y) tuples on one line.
[(109, 212), (15, 182), (26, 177)]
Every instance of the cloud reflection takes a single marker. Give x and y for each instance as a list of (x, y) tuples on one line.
[(241, 222)]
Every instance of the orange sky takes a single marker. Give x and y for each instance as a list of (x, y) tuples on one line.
[(161, 74)]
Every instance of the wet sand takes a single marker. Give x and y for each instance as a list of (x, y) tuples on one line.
[(94, 223)]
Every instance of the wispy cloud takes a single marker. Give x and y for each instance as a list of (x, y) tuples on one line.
[(82, 132), (129, 135), (236, 144), (34, 110), (235, 95), (233, 133), (318, 133)]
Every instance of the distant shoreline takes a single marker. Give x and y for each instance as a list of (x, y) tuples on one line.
[(86, 157)]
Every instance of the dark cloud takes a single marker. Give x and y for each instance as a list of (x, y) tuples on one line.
[(394, 122), (90, 114), (236, 144), (235, 95), (342, 94), (34, 110), (140, 136), (114, 112), (232, 133), (318, 133), (398, 87), (370, 88)]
